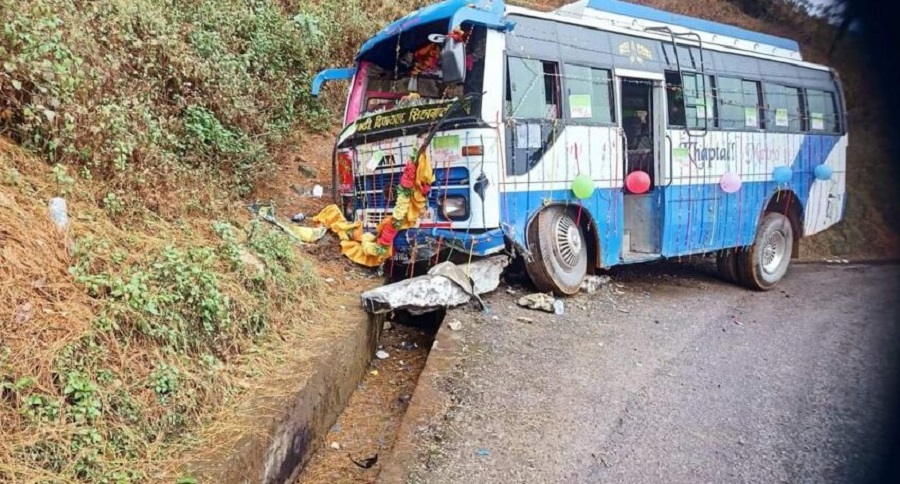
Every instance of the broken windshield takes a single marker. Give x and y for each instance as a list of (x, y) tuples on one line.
[(412, 75)]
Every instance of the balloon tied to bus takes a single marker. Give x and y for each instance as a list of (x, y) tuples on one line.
[(599, 134)]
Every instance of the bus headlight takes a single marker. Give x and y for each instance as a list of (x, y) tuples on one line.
[(455, 208)]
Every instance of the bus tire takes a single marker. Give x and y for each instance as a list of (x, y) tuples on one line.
[(559, 252), (767, 260), (727, 264)]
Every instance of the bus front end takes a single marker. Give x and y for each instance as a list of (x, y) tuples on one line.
[(400, 105)]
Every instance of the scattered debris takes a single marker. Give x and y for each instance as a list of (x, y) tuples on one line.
[(455, 325), (318, 191), (483, 452), (449, 287), (387, 325), (592, 283), (512, 291), (381, 354), (374, 372), (523, 319), (335, 446), (297, 218), (558, 307), (336, 428), (623, 310), (404, 399), (59, 213), (539, 301), (366, 463)]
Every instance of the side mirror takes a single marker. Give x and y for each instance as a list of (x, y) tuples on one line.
[(453, 61)]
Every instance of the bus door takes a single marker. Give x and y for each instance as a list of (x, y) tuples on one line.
[(642, 122)]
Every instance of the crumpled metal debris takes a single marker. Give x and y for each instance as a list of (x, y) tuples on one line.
[(446, 287)]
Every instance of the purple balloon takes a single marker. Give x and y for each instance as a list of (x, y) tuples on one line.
[(730, 182)]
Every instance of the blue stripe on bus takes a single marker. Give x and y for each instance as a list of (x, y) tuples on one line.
[(697, 218)]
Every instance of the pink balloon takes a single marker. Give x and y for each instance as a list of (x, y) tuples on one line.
[(637, 182), (730, 183)]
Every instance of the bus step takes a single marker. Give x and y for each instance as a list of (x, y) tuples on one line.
[(634, 258)]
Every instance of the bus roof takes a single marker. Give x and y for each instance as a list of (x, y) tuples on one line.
[(643, 12), (640, 18)]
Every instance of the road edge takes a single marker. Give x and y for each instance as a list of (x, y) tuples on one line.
[(429, 403)]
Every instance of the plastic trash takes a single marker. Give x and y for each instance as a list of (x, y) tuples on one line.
[(59, 213), (318, 191)]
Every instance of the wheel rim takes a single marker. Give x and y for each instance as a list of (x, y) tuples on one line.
[(773, 252), (568, 243)]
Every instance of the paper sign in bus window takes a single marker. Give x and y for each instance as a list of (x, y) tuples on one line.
[(818, 121), (781, 117), (375, 160), (751, 117), (580, 106), (445, 149)]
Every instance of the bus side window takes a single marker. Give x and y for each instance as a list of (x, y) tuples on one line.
[(532, 89), (739, 103), (691, 100), (784, 108), (822, 109)]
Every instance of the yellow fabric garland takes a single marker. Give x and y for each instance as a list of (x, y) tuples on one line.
[(363, 248)]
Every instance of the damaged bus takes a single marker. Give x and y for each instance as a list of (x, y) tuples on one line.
[(598, 134)]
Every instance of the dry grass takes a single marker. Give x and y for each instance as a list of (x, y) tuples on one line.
[(48, 323)]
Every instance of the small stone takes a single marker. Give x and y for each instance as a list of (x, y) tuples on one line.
[(523, 319), (455, 325), (386, 326), (381, 354), (298, 217), (592, 283), (539, 301), (306, 170), (404, 398), (335, 446)]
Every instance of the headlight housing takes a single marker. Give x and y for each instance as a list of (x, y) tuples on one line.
[(455, 208)]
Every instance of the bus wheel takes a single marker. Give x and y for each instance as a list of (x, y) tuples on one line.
[(559, 252), (727, 263), (767, 260)]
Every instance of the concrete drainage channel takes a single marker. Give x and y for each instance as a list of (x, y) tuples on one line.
[(355, 448)]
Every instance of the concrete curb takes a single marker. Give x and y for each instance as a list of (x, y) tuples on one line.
[(289, 429), (429, 404)]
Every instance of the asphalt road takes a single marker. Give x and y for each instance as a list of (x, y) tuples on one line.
[(670, 376)]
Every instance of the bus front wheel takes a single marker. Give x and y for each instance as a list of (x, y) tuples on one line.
[(767, 260), (559, 252)]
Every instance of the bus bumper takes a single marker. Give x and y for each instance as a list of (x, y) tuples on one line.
[(413, 245)]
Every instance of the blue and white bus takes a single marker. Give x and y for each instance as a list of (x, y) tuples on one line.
[(599, 134)]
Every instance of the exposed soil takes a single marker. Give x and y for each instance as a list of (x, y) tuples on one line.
[(369, 424)]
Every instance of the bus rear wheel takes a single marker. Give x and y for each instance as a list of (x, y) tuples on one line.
[(767, 260), (559, 252)]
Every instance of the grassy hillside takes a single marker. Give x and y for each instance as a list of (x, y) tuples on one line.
[(154, 120)]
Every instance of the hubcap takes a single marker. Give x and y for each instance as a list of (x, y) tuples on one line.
[(568, 241), (773, 252)]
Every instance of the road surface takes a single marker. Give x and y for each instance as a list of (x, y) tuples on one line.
[(671, 376)]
